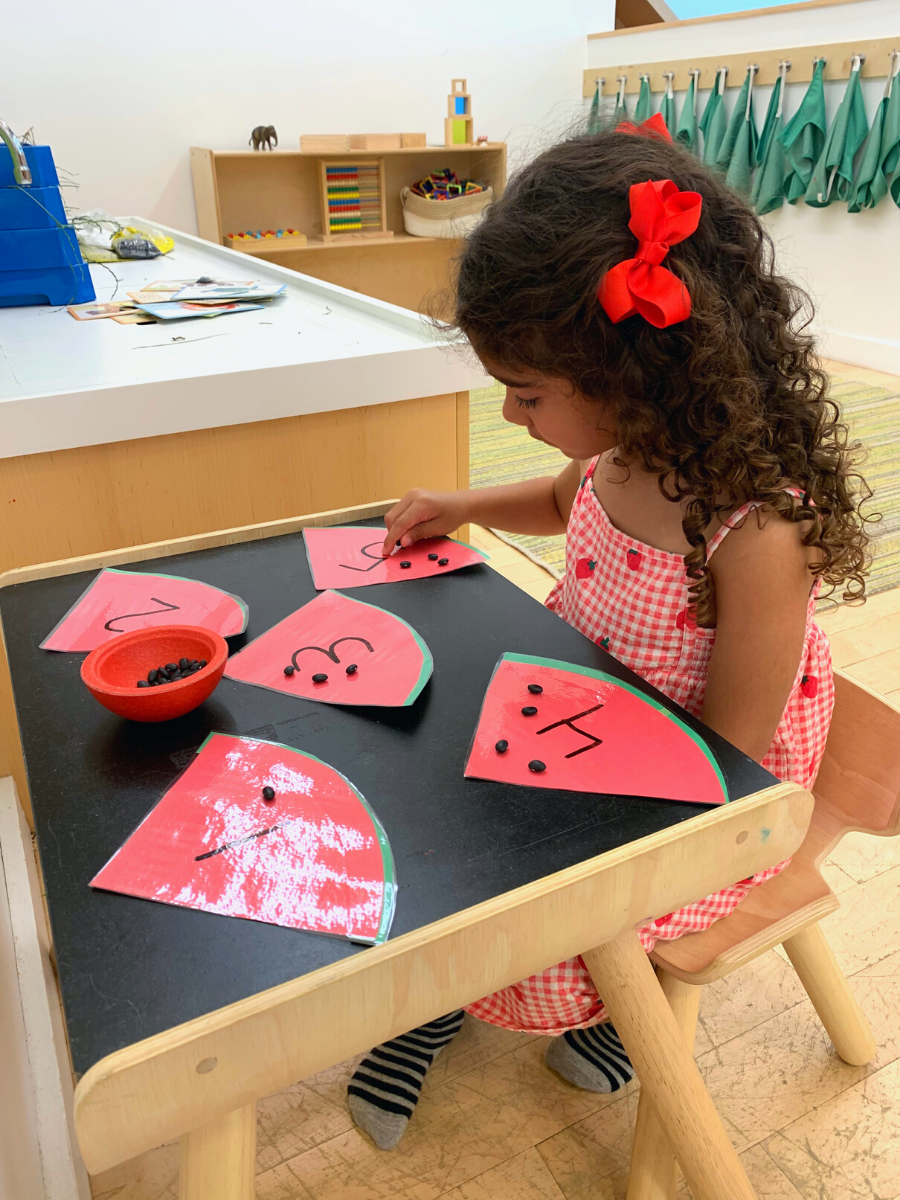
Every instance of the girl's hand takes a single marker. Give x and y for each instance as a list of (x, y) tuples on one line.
[(421, 514)]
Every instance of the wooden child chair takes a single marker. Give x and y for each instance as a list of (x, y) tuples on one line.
[(858, 788)]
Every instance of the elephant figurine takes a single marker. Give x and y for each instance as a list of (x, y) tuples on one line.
[(262, 137)]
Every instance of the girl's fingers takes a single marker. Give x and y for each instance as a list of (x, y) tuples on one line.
[(424, 529), (415, 523), (403, 521)]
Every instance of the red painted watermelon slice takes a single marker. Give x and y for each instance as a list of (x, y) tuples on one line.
[(314, 858), (349, 556), (122, 601), (326, 637), (587, 732)]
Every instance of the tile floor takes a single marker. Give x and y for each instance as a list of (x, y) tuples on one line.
[(495, 1124)]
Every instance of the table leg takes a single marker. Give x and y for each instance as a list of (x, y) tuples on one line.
[(649, 1030), (218, 1160), (654, 1172)]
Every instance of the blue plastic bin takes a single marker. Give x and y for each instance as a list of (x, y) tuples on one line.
[(53, 285), (35, 249), (39, 159), (31, 208)]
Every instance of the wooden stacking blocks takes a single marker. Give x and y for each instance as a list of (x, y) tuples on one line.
[(459, 124)]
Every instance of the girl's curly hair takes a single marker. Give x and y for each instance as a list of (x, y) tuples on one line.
[(726, 407)]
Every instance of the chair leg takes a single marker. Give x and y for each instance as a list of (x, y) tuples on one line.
[(623, 976), (218, 1160), (831, 994), (654, 1172)]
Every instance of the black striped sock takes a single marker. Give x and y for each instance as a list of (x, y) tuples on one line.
[(593, 1059), (385, 1088)]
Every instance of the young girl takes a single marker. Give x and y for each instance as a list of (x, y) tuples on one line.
[(628, 301)]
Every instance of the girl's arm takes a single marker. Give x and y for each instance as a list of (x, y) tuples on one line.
[(537, 506), (762, 584)]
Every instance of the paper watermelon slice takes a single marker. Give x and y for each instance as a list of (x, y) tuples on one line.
[(315, 857), (586, 731), (349, 556), (122, 601), (328, 636)]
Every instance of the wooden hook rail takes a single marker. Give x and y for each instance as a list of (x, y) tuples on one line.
[(875, 53)]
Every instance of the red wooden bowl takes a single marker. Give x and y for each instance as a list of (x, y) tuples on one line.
[(110, 673)]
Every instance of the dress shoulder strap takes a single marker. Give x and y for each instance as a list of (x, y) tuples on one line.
[(737, 518)]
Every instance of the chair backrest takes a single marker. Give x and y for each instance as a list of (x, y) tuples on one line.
[(858, 785)]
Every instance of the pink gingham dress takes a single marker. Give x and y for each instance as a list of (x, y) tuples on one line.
[(632, 599)]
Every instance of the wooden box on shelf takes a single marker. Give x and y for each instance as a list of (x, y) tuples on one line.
[(378, 142), (237, 190), (324, 143)]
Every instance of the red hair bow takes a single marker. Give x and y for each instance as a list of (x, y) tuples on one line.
[(661, 216), (654, 126)]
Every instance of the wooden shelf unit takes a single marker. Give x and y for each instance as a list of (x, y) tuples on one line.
[(237, 190)]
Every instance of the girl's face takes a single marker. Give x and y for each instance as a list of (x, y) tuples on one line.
[(556, 413)]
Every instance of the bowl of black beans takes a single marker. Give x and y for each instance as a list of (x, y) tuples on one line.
[(156, 674)]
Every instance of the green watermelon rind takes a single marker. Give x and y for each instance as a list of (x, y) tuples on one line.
[(427, 667), (389, 901), (605, 677), (475, 549)]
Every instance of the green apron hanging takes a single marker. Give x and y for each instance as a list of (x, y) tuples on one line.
[(882, 149), (667, 108), (804, 136), (594, 122), (713, 123), (742, 159), (620, 113), (832, 177), (768, 185), (643, 110), (686, 133)]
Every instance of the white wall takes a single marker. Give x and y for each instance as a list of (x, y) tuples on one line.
[(849, 262), (120, 93)]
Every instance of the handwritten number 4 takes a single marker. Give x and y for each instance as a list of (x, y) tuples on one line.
[(570, 721)]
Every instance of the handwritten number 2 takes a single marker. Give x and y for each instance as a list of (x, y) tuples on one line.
[(166, 607)]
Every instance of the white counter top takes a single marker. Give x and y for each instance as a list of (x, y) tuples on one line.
[(316, 348)]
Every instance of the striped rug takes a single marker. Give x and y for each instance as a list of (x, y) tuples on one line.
[(503, 453)]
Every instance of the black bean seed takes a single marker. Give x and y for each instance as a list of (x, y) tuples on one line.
[(398, 543), (535, 689), (268, 793), (152, 675), (442, 562), (502, 746), (170, 667), (195, 662), (529, 710), (352, 669), (320, 677), (183, 662), (289, 670), (406, 564), (143, 683), (537, 766), (433, 557), (202, 662)]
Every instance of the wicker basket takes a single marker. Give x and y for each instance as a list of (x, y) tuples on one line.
[(443, 218)]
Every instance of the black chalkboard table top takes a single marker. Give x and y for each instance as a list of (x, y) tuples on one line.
[(181, 1020), (130, 968)]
